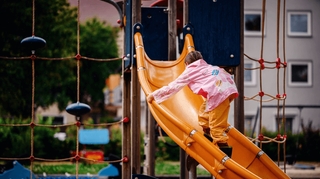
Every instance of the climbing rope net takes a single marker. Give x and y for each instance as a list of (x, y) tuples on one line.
[(280, 66), (77, 157)]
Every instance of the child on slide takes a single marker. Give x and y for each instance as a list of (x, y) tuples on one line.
[(214, 84)]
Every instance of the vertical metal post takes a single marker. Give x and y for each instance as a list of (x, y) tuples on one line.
[(136, 100), (172, 29), (193, 171), (186, 12), (126, 127), (126, 94), (150, 145), (183, 171), (239, 75)]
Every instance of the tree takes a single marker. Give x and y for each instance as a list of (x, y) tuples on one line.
[(55, 81), (97, 41)]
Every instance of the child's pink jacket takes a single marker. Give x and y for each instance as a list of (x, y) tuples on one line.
[(212, 82)]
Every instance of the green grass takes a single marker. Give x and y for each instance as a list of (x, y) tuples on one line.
[(173, 168), (62, 168), (162, 168)]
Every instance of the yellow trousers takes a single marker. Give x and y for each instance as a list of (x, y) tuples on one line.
[(216, 120)]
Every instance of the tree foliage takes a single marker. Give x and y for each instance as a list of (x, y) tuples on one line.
[(55, 81), (97, 41)]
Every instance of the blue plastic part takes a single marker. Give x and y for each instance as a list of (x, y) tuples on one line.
[(78, 109), (155, 32), (94, 136), (33, 42), (18, 171), (128, 36), (109, 171), (217, 30)]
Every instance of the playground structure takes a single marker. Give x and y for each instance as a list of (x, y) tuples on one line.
[(246, 160), (202, 22), (220, 41)]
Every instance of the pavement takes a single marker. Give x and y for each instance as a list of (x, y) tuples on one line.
[(302, 170)]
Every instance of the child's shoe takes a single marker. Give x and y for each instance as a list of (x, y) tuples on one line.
[(224, 147), (207, 134), (208, 137)]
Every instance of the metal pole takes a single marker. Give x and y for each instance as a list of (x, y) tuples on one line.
[(151, 144), (126, 100), (172, 29), (136, 100), (183, 171), (239, 75)]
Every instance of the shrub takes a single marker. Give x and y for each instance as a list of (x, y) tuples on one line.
[(167, 149), (303, 146)]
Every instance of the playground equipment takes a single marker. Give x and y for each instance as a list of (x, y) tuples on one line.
[(17, 171), (92, 137), (247, 159), (215, 29)]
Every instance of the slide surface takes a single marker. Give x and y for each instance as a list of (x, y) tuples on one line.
[(178, 118)]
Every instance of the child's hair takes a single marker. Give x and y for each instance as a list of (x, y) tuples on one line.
[(193, 56)]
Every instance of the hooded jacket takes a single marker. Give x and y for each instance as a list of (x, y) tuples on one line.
[(211, 82)]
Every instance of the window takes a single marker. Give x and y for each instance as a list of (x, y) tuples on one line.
[(253, 23), (249, 125), (300, 73), (56, 120), (249, 73), (299, 23), (288, 124)]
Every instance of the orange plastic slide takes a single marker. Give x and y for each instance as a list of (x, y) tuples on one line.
[(178, 118)]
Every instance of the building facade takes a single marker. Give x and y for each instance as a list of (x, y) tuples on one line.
[(299, 81)]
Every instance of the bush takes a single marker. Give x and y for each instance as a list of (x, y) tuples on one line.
[(115, 144), (167, 150), (14, 141), (308, 146), (302, 147)]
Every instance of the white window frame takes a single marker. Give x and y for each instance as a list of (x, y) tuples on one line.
[(293, 65), (289, 122), (253, 32), (253, 73), (53, 116), (308, 25)]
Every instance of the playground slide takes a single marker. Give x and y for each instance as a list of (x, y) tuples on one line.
[(178, 118)]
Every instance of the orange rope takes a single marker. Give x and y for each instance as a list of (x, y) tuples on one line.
[(77, 152), (33, 89), (62, 58), (284, 74), (261, 57), (273, 64), (267, 140), (78, 52), (78, 57), (60, 125), (62, 159), (278, 71), (34, 158), (33, 16), (33, 124)]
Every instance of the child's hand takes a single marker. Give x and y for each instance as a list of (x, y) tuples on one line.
[(150, 98)]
